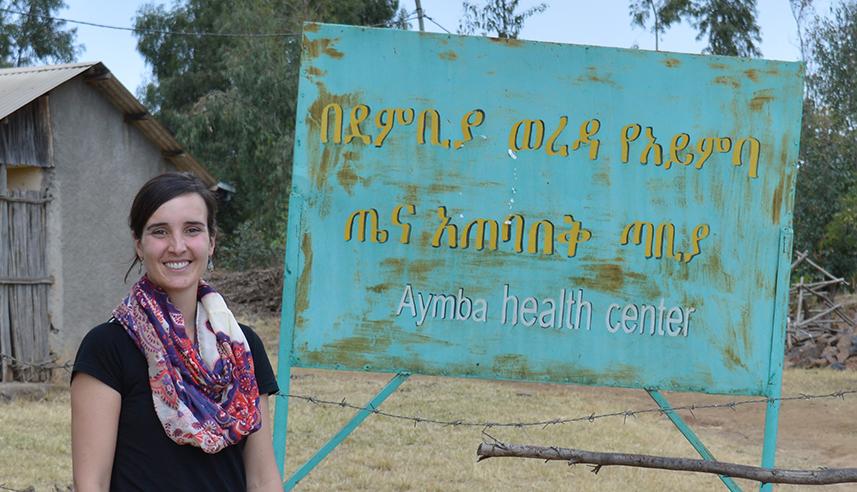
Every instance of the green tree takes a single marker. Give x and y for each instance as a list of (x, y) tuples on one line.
[(839, 243), (834, 51), (231, 100), (826, 197), (500, 17), (663, 13), (32, 36), (801, 10), (184, 67), (826, 172), (729, 25)]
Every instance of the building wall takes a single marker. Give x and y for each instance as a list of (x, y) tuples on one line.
[(99, 164)]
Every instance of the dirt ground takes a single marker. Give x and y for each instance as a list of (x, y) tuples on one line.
[(812, 433)]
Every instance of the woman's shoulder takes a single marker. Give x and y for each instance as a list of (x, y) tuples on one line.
[(108, 353), (246, 328), (254, 341), (111, 332), (249, 332), (107, 343)]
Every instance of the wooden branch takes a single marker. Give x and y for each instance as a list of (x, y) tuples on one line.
[(817, 316), (800, 301), (824, 476), (800, 257), (829, 303), (816, 285), (822, 270), (825, 283)]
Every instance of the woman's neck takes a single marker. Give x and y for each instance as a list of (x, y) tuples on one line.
[(185, 302)]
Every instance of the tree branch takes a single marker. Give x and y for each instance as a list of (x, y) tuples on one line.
[(573, 456)]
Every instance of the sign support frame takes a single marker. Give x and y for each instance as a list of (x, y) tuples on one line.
[(691, 436), (775, 368), (347, 429), (287, 327)]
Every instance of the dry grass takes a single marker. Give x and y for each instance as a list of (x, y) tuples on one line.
[(385, 454), (35, 442)]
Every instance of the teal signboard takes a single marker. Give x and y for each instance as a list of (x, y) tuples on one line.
[(473, 207)]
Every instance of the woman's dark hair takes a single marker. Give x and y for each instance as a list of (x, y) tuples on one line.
[(160, 190)]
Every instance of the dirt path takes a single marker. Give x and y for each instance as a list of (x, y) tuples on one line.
[(812, 433)]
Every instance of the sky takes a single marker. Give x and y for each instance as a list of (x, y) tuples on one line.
[(565, 21)]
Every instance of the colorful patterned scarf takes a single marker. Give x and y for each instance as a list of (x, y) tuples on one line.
[(206, 396)]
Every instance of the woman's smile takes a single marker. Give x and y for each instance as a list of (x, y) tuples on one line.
[(177, 265)]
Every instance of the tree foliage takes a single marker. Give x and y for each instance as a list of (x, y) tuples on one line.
[(663, 13), (500, 17), (231, 100), (729, 25), (33, 37), (834, 50), (826, 197), (839, 243), (826, 172), (801, 10)]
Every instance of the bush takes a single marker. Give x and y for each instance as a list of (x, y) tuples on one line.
[(248, 246)]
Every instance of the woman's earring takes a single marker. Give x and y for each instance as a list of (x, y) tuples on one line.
[(139, 265), (210, 264)]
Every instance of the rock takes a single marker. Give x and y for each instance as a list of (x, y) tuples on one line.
[(810, 350), (843, 346)]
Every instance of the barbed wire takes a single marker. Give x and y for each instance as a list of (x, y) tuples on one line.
[(625, 414), (51, 364), (409, 17)]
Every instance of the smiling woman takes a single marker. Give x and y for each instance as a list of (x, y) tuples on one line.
[(171, 393)]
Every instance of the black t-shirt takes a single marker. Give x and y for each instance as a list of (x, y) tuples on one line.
[(146, 459)]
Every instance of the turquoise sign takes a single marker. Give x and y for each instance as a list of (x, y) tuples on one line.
[(474, 207)]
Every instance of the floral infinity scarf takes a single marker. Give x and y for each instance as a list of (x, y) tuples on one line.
[(205, 397)]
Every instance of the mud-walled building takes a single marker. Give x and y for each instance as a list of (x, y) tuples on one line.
[(75, 146)]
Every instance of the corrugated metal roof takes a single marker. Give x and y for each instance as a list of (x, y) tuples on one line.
[(21, 86)]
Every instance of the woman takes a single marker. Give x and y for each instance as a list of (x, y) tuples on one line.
[(166, 394)]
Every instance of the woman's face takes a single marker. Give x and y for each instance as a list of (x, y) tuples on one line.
[(175, 245)]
